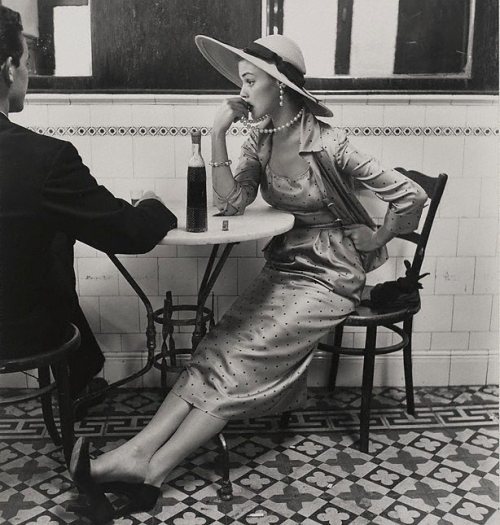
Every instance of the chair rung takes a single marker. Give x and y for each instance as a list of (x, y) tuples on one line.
[(348, 350)]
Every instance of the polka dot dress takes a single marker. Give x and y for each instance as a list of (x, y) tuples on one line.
[(254, 362)]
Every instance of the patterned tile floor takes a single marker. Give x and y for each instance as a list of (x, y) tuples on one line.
[(437, 468)]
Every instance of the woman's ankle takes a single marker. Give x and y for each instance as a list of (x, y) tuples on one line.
[(123, 464), (157, 472)]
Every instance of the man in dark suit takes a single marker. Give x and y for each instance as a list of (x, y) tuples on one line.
[(47, 200)]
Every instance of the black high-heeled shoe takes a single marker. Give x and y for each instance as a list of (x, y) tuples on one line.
[(142, 496), (100, 510)]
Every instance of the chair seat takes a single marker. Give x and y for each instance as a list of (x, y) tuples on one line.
[(20, 364), (366, 315), (57, 360)]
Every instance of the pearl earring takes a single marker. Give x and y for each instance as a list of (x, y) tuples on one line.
[(282, 91)]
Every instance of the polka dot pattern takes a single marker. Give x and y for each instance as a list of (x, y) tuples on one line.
[(254, 362)]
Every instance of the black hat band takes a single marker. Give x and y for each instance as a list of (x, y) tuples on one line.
[(284, 67)]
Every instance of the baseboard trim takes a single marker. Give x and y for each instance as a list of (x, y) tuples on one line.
[(440, 368)]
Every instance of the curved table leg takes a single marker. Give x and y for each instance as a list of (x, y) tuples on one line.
[(209, 278), (150, 338)]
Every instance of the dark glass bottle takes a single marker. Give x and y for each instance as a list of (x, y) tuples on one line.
[(196, 213)]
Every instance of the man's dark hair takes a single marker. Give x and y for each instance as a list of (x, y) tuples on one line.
[(11, 30)]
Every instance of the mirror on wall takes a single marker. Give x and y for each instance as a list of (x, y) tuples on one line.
[(58, 36)]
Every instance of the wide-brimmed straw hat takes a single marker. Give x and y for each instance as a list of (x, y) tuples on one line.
[(277, 55)]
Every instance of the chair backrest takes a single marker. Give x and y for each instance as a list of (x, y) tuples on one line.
[(434, 187)]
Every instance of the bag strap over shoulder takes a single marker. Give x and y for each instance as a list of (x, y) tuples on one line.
[(340, 200)]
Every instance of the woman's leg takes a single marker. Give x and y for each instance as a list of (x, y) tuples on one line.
[(129, 462), (196, 429)]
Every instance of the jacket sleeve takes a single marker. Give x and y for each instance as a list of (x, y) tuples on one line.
[(74, 203), (405, 197), (246, 180)]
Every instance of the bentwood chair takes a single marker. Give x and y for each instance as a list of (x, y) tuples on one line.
[(57, 359), (371, 319)]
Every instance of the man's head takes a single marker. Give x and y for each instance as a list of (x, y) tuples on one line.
[(13, 60)]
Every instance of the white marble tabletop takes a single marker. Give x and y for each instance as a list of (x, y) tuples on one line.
[(258, 221)]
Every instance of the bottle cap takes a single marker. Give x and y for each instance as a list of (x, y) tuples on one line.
[(196, 136)]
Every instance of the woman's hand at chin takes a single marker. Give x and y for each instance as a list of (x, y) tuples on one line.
[(231, 110)]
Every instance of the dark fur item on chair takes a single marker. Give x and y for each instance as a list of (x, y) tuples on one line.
[(398, 294)]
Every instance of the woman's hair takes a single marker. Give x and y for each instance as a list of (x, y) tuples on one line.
[(294, 95), (11, 30)]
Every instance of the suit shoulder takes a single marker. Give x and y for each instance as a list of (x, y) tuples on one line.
[(32, 151), (34, 140)]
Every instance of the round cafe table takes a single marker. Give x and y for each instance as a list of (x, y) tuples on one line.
[(259, 221)]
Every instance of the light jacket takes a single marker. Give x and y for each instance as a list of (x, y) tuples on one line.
[(338, 168)]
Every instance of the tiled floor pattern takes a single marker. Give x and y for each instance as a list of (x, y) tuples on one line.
[(437, 468)]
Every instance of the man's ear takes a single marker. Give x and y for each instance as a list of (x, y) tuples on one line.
[(7, 72)]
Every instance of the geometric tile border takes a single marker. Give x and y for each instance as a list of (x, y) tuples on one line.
[(366, 131), (480, 416)]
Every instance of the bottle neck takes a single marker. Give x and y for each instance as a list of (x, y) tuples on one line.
[(195, 150), (196, 159)]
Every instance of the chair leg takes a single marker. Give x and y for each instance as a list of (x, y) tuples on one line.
[(366, 392), (337, 341), (46, 399), (66, 415), (410, 400), (225, 492)]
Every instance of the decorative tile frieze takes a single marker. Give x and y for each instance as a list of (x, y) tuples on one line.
[(366, 131)]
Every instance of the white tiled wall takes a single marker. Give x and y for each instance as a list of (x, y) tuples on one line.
[(456, 332)]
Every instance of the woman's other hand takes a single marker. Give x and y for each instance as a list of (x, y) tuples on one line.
[(231, 110), (363, 237)]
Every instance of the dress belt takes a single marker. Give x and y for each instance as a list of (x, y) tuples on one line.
[(338, 223)]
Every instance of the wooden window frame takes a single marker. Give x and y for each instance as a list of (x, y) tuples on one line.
[(483, 78)]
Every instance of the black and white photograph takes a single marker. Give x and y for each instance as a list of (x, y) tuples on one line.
[(249, 262)]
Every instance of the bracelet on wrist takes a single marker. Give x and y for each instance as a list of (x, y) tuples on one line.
[(220, 164)]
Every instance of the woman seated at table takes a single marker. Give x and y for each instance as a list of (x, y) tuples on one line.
[(254, 362)]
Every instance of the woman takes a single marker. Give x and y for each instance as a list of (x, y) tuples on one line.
[(254, 361)]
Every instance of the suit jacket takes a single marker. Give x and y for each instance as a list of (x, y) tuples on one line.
[(47, 194)]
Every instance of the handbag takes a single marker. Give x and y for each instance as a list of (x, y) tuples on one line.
[(401, 293)]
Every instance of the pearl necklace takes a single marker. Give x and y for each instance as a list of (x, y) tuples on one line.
[(247, 122)]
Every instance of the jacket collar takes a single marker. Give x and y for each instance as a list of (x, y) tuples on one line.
[(310, 133)]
